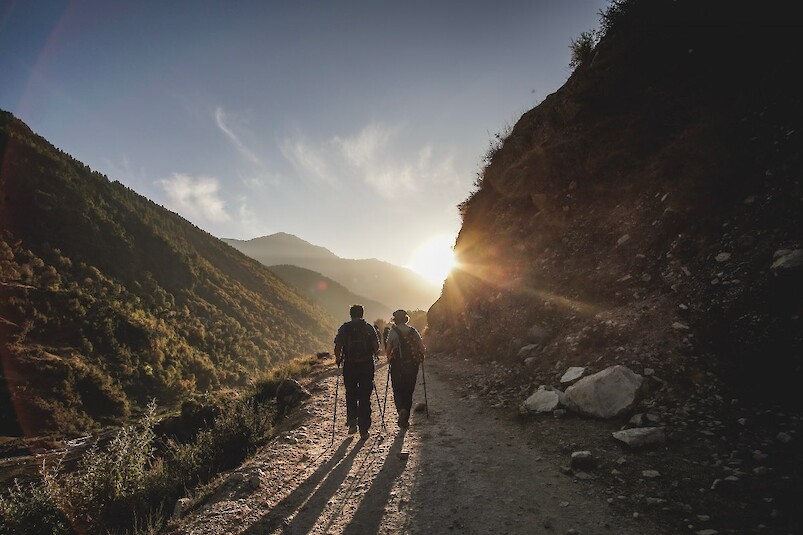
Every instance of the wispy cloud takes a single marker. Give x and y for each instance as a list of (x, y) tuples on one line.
[(311, 161), (223, 122), (377, 156), (195, 197)]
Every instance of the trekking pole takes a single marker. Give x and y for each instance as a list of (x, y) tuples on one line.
[(334, 412), (381, 411), (424, 376), (387, 383)]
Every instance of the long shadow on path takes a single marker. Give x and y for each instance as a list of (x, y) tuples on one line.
[(312, 496), (368, 517)]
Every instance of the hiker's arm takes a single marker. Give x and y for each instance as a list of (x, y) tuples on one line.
[(339, 347)]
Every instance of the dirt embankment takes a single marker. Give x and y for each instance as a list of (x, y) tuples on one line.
[(468, 469)]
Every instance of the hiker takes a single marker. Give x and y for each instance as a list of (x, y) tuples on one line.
[(405, 351), (356, 344)]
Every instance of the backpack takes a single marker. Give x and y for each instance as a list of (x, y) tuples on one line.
[(410, 345), (361, 342)]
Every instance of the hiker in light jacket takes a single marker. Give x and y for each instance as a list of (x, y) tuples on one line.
[(405, 351)]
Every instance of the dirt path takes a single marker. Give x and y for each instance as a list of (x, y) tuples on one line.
[(467, 472)]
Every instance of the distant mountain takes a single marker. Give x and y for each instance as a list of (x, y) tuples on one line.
[(108, 300), (387, 283), (330, 295)]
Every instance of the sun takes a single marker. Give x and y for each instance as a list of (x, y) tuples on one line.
[(434, 259)]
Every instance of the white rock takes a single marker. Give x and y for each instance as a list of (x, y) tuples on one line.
[(572, 374), (582, 459), (650, 474), (623, 239), (787, 260), (638, 437), (182, 505), (542, 400), (606, 394), (722, 257)]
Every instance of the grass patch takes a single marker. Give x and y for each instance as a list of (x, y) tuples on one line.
[(132, 485)]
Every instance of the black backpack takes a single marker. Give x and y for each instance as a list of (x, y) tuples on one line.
[(361, 342)]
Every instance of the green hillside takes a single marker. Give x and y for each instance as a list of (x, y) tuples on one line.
[(108, 300)]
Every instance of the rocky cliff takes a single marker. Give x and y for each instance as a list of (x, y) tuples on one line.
[(648, 213)]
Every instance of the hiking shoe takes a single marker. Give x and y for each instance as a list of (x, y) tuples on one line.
[(364, 435), (352, 426), (404, 418)]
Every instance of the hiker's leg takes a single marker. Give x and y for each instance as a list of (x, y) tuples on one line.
[(410, 377), (397, 378), (365, 388), (350, 378)]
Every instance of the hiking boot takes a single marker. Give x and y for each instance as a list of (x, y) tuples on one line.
[(404, 418), (364, 435), (352, 426)]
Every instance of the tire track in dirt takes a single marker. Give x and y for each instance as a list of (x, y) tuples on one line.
[(466, 472)]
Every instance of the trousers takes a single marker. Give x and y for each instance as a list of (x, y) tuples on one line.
[(404, 374), (358, 378)]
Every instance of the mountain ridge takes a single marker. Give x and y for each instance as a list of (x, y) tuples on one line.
[(378, 280)]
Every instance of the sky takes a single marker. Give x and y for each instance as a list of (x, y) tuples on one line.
[(358, 126)]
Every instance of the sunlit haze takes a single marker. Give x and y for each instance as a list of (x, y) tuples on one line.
[(434, 259), (355, 126)]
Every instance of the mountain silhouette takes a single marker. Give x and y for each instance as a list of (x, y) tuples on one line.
[(330, 295), (396, 286)]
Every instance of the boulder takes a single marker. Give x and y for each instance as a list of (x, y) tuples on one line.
[(537, 335), (583, 460), (289, 394), (787, 261), (542, 400), (606, 394), (638, 437), (572, 374)]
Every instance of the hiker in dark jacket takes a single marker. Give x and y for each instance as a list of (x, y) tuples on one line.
[(405, 351), (356, 344)]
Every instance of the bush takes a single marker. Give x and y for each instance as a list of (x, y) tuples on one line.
[(109, 483), (583, 48), (30, 509)]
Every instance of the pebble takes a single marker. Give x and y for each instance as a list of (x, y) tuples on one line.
[(650, 474), (722, 257), (783, 438)]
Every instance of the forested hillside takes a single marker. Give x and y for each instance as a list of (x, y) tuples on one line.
[(108, 300)]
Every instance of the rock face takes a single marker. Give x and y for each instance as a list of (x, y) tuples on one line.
[(641, 436), (542, 400), (606, 394)]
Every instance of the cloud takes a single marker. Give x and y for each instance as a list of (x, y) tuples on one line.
[(308, 160), (222, 120), (195, 197), (377, 156)]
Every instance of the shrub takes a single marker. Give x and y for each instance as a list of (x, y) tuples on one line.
[(583, 48)]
